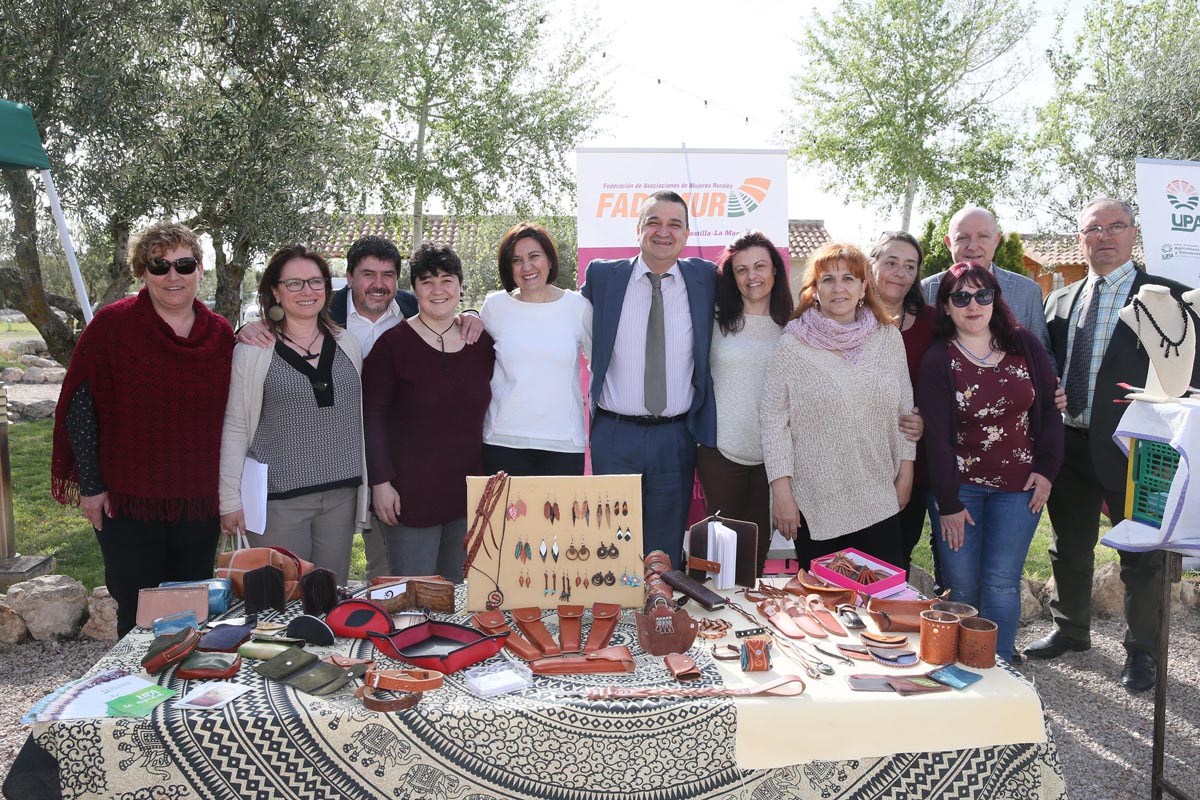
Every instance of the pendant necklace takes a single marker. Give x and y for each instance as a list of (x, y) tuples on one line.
[(441, 341), (903, 316), (308, 354), (983, 362), (1165, 341)]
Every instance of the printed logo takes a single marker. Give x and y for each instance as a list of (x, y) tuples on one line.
[(747, 197), (704, 200), (1182, 195)]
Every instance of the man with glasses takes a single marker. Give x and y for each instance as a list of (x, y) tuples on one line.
[(1094, 353)]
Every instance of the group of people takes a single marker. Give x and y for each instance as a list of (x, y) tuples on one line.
[(372, 404)]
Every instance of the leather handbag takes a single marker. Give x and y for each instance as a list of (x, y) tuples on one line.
[(263, 588), (208, 666), (234, 564), (413, 594), (170, 649), (681, 667), (307, 673), (745, 572), (220, 593), (756, 655), (165, 601), (529, 622), (609, 660), (665, 630), (697, 591), (318, 592), (570, 622), (225, 638), (605, 617), (493, 622)]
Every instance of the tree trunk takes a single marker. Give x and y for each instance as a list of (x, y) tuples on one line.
[(23, 288), (910, 194), (118, 274), (418, 210), (229, 277)]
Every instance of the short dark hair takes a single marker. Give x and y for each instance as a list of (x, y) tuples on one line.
[(270, 277), (664, 196), (524, 230), (1003, 324), (377, 246), (430, 259), (730, 308), (914, 299)]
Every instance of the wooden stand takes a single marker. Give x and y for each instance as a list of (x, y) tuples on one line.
[(1172, 574)]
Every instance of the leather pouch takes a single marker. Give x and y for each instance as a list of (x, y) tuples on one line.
[(206, 666), (261, 650), (220, 593), (756, 655), (263, 589), (225, 638), (170, 649), (493, 622), (414, 593), (664, 630), (318, 592), (307, 673), (681, 667), (570, 627), (529, 622), (164, 601), (745, 571), (311, 630), (605, 617), (175, 622), (609, 660), (693, 589)]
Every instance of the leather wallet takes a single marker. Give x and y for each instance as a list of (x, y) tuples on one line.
[(693, 589), (170, 649), (756, 655), (205, 666), (745, 572), (311, 630), (263, 589), (225, 638), (609, 660), (529, 622), (307, 673), (570, 629), (605, 617), (681, 667), (162, 601), (493, 622), (318, 592), (413, 593)]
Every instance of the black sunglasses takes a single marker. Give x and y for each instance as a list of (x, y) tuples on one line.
[(184, 266), (962, 299)]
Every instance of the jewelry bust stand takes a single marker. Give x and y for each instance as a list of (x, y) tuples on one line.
[(1166, 330)]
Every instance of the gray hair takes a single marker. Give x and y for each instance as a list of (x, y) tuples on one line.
[(1108, 201)]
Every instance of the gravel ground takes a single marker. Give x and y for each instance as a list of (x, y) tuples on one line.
[(1104, 734), (29, 392)]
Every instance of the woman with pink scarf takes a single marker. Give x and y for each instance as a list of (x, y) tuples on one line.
[(839, 467)]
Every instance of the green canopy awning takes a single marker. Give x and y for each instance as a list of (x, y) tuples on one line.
[(20, 143)]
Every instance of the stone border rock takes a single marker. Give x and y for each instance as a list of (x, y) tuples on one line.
[(52, 607)]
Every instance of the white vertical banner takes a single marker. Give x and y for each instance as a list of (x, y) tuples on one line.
[(1169, 215)]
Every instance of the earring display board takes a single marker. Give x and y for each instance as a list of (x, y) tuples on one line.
[(547, 541)]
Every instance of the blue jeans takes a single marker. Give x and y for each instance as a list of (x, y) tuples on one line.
[(986, 571)]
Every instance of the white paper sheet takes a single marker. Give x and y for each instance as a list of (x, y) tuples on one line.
[(254, 495), (722, 548)]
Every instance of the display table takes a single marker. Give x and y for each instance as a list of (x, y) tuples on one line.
[(273, 742)]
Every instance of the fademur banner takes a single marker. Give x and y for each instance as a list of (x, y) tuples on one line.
[(1169, 215)]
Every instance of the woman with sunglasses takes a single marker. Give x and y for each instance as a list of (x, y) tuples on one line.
[(993, 443), (297, 407), (134, 431)]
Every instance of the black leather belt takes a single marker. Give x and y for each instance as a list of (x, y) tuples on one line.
[(643, 420), (1081, 431)]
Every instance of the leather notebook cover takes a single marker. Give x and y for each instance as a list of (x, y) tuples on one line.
[(746, 569), (697, 591)]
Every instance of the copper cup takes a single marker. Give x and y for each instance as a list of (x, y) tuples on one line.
[(977, 643), (939, 637), (961, 609)]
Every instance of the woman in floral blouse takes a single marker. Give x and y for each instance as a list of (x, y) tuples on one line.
[(994, 442)]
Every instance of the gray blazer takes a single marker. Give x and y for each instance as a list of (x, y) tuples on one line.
[(1024, 298)]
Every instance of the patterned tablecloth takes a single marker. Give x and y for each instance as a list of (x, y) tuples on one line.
[(274, 742)]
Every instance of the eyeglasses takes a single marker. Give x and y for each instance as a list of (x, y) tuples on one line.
[(183, 266), (1116, 229), (298, 284), (962, 299)]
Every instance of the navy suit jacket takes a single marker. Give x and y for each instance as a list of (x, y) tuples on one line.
[(605, 288), (339, 306)]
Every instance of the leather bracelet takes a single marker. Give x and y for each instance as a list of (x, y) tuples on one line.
[(403, 680), (714, 628), (372, 703), (726, 652)]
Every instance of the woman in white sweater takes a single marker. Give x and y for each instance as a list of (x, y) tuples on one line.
[(839, 466), (534, 425), (753, 304)]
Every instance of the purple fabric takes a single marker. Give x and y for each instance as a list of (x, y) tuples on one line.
[(816, 330)]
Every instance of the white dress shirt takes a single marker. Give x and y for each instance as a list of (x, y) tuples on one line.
[(367, 331)]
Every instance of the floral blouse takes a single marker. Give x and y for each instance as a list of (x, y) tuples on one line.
[(994, 447)]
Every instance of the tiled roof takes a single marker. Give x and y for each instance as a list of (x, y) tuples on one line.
[(1063, 248), (805, 236), (333, 237)]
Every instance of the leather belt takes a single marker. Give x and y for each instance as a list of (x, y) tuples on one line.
[(411, 681), (645, 419), (787, 686)]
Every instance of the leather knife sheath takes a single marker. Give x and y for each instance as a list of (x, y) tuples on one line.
[(529, 621), (609, 660), (570, 629), (493, 622), (605, 617)]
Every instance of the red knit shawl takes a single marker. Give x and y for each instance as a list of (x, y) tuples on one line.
[(160, 404)]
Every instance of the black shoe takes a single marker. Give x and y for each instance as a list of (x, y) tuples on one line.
[(1055, 644), (1140, 672), (1016, 660)]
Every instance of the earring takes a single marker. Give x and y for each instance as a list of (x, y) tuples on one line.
[(861, 301), (275, 313)]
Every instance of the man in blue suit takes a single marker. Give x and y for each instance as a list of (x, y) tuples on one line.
[(651, 394)]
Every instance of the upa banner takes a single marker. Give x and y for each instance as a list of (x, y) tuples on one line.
[(1169, 207), (727, 192)]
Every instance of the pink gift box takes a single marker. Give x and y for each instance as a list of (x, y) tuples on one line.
[(896, 576)]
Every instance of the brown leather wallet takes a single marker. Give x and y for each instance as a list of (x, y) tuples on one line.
[(493, 622), (610, 659), (682, 667), (605, 617), (529, 621), (411, 681), (570, 621)]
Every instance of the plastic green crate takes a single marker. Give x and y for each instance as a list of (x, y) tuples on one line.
[(1152, 468)]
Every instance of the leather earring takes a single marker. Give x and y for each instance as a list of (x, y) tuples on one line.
[(275, 313)]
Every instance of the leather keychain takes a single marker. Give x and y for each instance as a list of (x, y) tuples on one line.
[(529, 621), (605, 617), (493, 622), (570, 620), (412, 681)]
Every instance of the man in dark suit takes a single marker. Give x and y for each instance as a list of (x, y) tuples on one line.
[(651, 394), (1094, 353)]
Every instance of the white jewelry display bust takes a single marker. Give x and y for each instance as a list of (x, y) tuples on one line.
[(1168, 376)]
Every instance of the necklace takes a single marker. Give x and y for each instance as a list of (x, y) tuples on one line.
[(441, 341), (980, 360), (903, 316), (1165, 341), (308, 354)]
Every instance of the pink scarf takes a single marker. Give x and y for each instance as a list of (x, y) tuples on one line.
[(817, 330)]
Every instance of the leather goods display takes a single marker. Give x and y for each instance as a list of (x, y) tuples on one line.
[(164, 601), (756, 655), (681, 667), (318, 592), (225, 638), (570, 629), (413, 594), (883, 639), (605, 617), (939, 637), (746, 565), (897, 616), (665, 629), (804, 583), (441, 646), (609, 660), (209, 666), (786, 686), (307, 673), (263, 588), (493, 622), (529, 622), (262, 650), (175, 622), (357, 617), (170, 649), (701, 594), (220, 593), (411, 681), (311, 630), (234, 564)]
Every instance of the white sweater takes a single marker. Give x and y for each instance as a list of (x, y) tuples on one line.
[(738, 363)]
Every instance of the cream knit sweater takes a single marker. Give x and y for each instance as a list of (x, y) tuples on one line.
[(832, 428)]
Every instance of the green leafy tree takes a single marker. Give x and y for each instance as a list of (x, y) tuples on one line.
[(1010, 252), (896, 99)]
